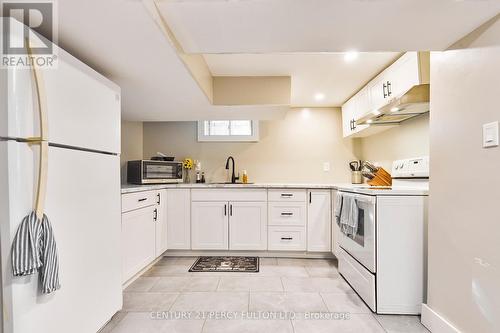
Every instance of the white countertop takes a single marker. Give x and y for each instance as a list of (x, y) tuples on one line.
[(380, 191), (360, 189)]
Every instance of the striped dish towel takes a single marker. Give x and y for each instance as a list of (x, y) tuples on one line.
[(34, 250)]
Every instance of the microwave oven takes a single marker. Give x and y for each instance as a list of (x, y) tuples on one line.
[(154, 172)]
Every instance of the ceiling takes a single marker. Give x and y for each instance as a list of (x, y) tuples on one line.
[(129, 48), (326, 75), (265, 26), (120, 39)]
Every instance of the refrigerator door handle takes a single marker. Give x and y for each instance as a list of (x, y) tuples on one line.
[(42, 179), (42, 140)]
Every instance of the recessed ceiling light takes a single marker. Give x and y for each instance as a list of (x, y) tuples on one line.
[(369, 121), (319, 96), (394, 109), (351, 56)]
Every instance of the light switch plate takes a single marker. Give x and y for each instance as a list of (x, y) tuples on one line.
[(490, 135), (326, 166)]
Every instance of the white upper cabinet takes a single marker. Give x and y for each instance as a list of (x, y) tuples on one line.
[(248, 226), (350, 112), (378, 93), (409, 70), (405, 74)]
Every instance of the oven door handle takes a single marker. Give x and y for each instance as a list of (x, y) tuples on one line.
[(360, 197)]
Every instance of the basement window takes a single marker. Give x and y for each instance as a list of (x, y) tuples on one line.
[(228, 130)]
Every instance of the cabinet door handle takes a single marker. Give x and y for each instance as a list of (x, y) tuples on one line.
[(159, 198), (286, 238), (286, 195), (286, 214), (389, 92), (155, 215), (384, 86), (143, 199), (353, 124), (310, 197), (225, 210), (230, 210)]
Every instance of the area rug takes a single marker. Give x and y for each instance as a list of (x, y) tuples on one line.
[(226, 264)]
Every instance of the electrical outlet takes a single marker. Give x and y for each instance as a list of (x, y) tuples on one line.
[(326, 166)]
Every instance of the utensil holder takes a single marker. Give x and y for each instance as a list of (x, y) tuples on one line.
[(356, 177)]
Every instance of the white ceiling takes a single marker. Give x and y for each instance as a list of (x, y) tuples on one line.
[(120, 39), (130, 49), (321, 73), (265, 26)]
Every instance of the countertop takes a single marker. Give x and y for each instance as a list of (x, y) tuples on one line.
[(360, 189)]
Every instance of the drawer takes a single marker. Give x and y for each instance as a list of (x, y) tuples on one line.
[(284, 195), (138, 200), (282, 213), (218, 194), (286, 238), (361, 279)]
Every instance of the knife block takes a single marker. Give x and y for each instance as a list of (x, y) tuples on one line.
[(382, 178)]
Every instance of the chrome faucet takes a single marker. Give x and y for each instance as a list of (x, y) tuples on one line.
[(233, 176)]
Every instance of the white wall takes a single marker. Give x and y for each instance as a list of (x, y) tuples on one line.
[(408, 140), (464, 214), (290, 150), (132, 145)]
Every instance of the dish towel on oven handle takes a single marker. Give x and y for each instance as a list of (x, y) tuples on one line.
[(349, 216), (34, 250), (337, 209)]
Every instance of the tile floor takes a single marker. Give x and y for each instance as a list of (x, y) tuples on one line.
[(298, 286)]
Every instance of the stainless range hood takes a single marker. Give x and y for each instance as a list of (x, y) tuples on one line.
[(413, 103)]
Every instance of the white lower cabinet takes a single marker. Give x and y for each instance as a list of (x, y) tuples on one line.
[(335, 228), (287, 220), (286, 238), (319, 221), (178, 212), (138, 240), (209, 225), (247, 225), (222, 225), (161, 222)]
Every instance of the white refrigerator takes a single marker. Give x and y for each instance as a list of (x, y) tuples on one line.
[(82, 197)]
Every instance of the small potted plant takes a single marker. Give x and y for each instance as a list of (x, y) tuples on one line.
[(188, 164)]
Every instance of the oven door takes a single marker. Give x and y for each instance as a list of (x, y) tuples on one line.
[(161, 172), (362, 245)]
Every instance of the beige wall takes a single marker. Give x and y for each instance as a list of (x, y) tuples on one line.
[(132, 145), (410, 139), (290, 150), (264, 90), (464, 215)]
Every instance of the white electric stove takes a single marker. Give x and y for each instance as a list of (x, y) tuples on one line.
[(385, 260)]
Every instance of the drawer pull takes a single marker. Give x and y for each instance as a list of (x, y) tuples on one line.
[(286, 214), (143, 199), (286, 195), (286, 238)]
